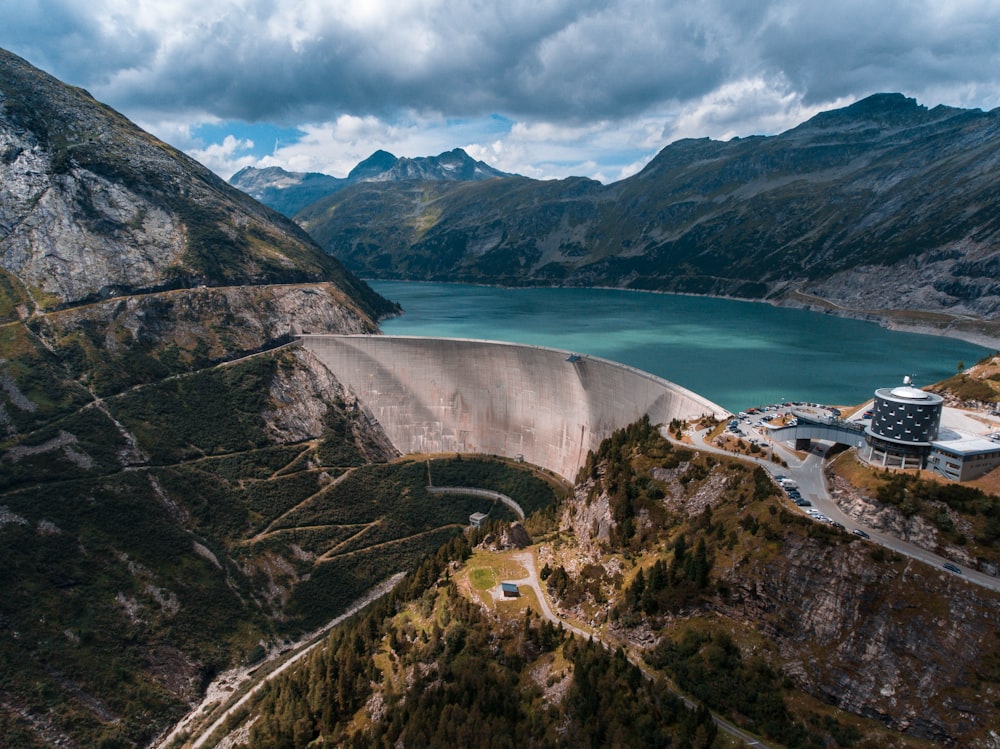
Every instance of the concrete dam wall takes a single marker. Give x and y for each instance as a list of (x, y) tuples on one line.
[(549, 407)]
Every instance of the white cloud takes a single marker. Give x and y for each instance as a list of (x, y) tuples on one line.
[(741, 108), (544, 87), (227, 157)]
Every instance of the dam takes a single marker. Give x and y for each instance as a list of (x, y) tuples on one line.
[(542, 405)]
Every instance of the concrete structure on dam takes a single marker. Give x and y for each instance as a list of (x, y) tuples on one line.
[(542, 405)]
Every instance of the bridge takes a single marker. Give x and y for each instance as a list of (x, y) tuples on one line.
[(812, 427), (542, 405)]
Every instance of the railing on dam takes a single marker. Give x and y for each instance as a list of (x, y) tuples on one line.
[(485, 493), (549, 407)]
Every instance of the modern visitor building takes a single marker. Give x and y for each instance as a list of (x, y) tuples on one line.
[(905, 432), (905, 422)]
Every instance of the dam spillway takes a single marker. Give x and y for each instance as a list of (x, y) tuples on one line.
[(545, 406)]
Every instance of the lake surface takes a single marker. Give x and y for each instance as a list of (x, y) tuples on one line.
[(737, 354)]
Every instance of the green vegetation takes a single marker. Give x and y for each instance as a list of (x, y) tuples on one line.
[(967, 388), (12, 294), (98, 574), (670, 588), (38, 389), (446, 675), (129, 589), (933, 500), (211, 412), (711, 667), (517, 482)]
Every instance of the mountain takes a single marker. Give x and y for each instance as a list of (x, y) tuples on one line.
[(285, 192), (290, 192), (880, 207), (184, 498), (694, 570), (153, 423)]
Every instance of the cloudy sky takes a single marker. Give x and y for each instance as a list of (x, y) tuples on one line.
[(544, 88)]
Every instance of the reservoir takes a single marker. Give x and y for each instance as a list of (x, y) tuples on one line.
[(737, 354)]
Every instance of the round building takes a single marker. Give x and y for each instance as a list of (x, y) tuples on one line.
[(905, 420)]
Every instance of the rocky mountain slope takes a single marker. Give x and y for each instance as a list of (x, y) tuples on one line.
[(875, 635), (290, 192), (151, 421), (882, 206), (700, 571)]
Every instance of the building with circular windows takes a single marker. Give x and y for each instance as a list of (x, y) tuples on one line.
[(905, 421)]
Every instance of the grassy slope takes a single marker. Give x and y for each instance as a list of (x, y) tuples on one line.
[(128, 589)]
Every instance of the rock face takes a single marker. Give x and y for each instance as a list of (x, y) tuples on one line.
[(152, 422), (884, 204), (301, 396), (885, 641), (92, 206)]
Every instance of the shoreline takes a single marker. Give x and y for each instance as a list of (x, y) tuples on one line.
[(883, 318)]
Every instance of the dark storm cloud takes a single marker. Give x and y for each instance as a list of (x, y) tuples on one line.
[(848, 48), (566, 61), (615, 77), (66, 36), (563, 61)]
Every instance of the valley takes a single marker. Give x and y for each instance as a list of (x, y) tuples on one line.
[(187, 495), (856, 211)]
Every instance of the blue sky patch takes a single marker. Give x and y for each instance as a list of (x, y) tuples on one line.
[(266, 138)]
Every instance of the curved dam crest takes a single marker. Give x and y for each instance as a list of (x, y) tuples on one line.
[(545, 406)]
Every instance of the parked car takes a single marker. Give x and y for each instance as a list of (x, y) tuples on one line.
[(861, 533)]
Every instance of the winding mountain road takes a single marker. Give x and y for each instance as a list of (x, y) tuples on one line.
[(808, 474), (527, 560)]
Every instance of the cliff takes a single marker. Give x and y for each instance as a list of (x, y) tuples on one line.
[(151, 421), (908, 646)]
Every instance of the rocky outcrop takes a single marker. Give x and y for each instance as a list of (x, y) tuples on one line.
[(91, 206), (302, 395), (881, 517), (128, 242), (901, 642), (224, 321)]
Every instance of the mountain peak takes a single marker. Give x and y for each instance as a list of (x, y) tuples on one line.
[(453, 165), (886, 111), (292, 192), (379, 162)]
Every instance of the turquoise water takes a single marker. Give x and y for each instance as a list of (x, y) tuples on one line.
[(738, 354)]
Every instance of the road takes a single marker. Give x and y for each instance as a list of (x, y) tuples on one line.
[(808, 474), (527, 559), (255, 678)]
